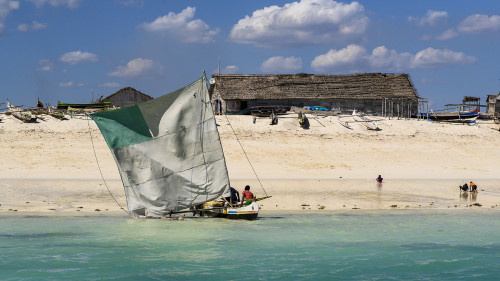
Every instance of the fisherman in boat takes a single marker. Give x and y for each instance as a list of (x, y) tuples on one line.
[(473, 187), (380, 179), (235, 196), (247, 196)]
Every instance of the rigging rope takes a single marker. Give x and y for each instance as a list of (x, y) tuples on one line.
[(244, 152), (99, 166)]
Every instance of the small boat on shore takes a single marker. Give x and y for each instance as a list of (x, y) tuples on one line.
[(267, 110), (447, 115), (369, 124), (21, 114), (104, 104), (344, 123)]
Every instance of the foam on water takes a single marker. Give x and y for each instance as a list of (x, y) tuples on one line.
[(354, 245)]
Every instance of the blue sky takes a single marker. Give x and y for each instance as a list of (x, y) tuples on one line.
[(69, 50)]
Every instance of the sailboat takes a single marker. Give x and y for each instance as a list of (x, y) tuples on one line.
[(169, 155)]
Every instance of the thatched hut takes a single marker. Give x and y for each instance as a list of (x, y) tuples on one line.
[(376, 93), (127, 97)]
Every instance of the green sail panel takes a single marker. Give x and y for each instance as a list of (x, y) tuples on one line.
[(168, 151), (122, 127)]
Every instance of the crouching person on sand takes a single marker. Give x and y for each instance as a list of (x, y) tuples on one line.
[(247, 196), (473, 187)]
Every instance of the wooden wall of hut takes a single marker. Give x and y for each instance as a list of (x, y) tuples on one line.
[(384, 107)]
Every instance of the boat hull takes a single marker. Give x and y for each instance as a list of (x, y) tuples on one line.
[(448, 115), (249, 212)]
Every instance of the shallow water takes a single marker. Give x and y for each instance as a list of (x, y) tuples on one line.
[(353, 245)]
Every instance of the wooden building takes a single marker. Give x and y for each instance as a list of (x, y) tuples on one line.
[(127, 97), (493, 105), (371, 93)]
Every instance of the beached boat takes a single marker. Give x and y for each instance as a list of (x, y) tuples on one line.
[(169, 155), (447, 115), (267, 110), (369, 124), (56, 113), (62, 105), (19, 113), (344, 123)]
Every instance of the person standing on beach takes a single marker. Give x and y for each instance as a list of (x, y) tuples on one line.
[(247, 196), (380, 179)]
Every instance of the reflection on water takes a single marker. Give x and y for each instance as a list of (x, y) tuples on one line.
[(468, 196)]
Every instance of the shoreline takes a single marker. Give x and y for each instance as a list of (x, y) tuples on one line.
[(93, 197), (52, 165)]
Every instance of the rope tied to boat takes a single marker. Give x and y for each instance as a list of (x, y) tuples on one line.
[(248, 159), (99, 166)]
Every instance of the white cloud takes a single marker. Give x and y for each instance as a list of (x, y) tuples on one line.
[(45, 65), (76, 57), (182, 25), (130, 3), (72, 4), (281, 65), (355, 58), (448, 34), (307, 22), (477, 23), (70, 84), (137, 67), (25, 27), (431, 18), (231, 69), (110, 85), (432, 58), (426, 37), (352, 57), (6, 7)]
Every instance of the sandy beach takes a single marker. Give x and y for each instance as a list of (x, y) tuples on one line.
[(55, 166)]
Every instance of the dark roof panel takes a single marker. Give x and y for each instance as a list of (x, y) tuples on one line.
[(302, 85)]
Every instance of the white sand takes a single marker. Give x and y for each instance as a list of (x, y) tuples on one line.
[(50, 166)]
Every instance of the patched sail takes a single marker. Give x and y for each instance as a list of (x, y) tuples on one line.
[(167, 150)]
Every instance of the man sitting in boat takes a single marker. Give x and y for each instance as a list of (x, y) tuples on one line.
[(247, 196), (235, 196)]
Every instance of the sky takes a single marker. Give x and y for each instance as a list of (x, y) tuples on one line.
[(78, 50)]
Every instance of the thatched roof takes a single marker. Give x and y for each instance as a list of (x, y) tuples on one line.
[(127, 89), (307, 86)]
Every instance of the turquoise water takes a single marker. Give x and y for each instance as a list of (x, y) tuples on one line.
[(365, 245)]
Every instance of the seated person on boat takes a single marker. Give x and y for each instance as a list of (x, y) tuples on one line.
[(235, 196), (247, 196)]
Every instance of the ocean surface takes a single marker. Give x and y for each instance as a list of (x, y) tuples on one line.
[(352, 245)]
